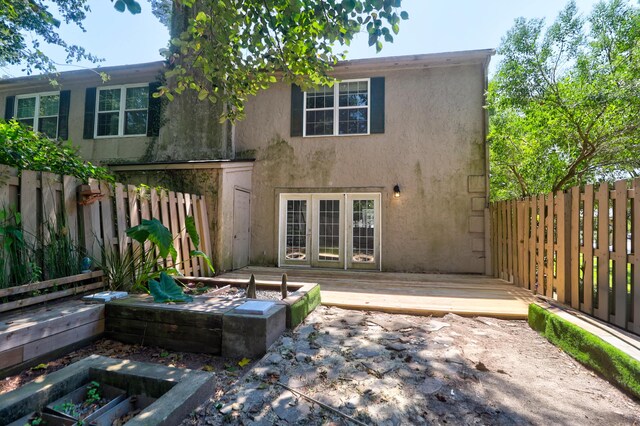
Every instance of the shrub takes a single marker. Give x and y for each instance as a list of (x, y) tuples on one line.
[(27, 150)]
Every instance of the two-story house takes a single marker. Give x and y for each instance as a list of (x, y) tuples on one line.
[(386, 170)]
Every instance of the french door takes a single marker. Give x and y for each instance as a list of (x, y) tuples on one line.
[(330, 230)]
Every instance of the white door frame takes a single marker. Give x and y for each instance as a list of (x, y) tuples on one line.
[(346, 229)]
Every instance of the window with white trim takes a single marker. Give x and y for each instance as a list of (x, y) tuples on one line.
[(323, 116), (39, 112), (122, 111)]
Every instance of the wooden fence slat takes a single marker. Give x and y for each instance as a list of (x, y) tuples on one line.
[(520, 242), (603, 251), (49, 205), (106, 212), (635, 243), (193, 263), (587, 250), (533, 205), (145, 210), (509, 239), (540, 246), (121, 218), (524, 243), (620, 253), (173, 217), (134, 213), (95, 237), (186, 264), (70, 196), (575, 247), (548, 268), (206, 235), (565, 273), (163, 200), (29, 206), (503, 241), (4, 186), (196, 215), (494, 243)]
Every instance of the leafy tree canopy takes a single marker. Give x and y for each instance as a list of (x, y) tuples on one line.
[(226, 50), (26, 24), (223, 50), (24, 149), (564, 103)]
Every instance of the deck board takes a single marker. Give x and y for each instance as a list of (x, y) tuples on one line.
[(416, 294)]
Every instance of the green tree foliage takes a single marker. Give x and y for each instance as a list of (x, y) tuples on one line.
[(24, 149), (226, 50), (223, 50), (564, 103), (27, 24)]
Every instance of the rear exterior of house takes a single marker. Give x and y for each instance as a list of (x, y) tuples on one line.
[(307, 179), (327, 162)]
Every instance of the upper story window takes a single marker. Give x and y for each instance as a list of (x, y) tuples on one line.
[(122, 110), (339, 110), (40, 112)]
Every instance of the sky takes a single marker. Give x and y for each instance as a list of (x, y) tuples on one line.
[(433, 26)]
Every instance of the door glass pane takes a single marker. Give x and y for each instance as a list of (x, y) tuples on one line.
[(363, 231), (296, 246), (329, 230)]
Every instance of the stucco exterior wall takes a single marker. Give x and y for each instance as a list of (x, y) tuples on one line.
[(433, 147), (100, 150)]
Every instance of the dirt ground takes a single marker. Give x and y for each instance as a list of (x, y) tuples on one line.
[(403, 370), (392, 370)]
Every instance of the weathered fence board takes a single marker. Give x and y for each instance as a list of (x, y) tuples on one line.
[(97, 215), (580, 247)]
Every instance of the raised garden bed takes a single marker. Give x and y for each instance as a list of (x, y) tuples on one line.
[(301, 300), (163, 395)]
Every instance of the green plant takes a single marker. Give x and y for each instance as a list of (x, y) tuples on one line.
[(139, 267), (93, 393), (36, 420), (60, 256), (18, 264), (167, 290), (68, 408), (26, 150)]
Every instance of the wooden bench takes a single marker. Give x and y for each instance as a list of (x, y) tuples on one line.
[(37, 328)]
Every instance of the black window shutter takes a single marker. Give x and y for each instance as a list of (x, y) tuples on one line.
[(377, 105), (89, 112), (155, 110), (8, 109), (63, 114), (297, 110)]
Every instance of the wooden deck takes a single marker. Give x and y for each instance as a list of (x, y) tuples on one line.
[(415, 294)]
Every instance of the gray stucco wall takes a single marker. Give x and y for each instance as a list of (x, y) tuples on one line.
[(120, 149), (433, 147)]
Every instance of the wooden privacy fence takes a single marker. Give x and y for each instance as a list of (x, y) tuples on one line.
[(581, 247), (99, 213)]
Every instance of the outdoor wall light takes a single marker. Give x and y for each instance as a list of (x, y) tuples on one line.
[(396, 191)]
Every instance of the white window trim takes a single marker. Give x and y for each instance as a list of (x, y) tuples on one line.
[(123, 99), (336, 111), (36, 112)]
